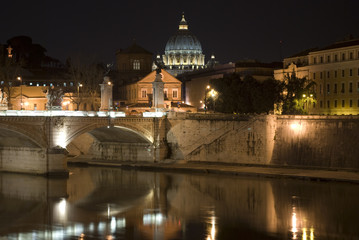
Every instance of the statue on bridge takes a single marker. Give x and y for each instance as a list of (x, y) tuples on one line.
[(54, 98), (3, 100)]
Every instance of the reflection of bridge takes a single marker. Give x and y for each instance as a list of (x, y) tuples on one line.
[(36, 141)]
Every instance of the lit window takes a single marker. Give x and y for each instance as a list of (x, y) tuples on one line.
[(175, 93), (64, 84), (44, 85), (136, 65), (51, 84), (30, 84), (143, 93), (71, 84)]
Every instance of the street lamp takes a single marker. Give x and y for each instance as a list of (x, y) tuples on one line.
[(20, 79), (205, 98), (213, 95), (78, 95)]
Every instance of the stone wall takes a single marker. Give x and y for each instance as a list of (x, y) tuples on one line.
[(312, 141)]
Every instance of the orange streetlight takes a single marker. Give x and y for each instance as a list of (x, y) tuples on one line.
[(20, 79)]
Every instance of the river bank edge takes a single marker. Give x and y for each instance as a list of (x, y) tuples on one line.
[(272, 171)]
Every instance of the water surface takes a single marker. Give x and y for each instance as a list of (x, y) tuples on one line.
[(111, 203)]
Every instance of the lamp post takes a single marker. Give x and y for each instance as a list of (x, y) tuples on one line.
[(213, 95), (205, 98), (20, 79), (78, 95)]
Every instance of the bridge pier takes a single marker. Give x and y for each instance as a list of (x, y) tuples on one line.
[(41, 161)]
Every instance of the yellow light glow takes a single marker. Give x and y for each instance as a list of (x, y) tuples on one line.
[(304, 95), (311, 233), (109, 83), (26, 104), (294, 223), (61, 138), (304, 235), (296, 127), (208, 87)]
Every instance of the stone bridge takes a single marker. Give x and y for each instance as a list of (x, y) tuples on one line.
[(39, 144)]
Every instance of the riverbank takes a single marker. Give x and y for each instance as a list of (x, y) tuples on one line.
[(318, 174)]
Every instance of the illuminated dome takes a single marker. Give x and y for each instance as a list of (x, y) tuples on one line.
[(183, 50)]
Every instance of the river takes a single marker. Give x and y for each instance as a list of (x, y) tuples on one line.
[(113, 203)]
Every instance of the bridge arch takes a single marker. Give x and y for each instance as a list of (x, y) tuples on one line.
[(129, 128), (14, 136)]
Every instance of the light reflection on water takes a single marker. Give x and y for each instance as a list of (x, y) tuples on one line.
[(103, 203)]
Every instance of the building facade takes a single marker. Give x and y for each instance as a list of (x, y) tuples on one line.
[(335, 70), (139, 95)]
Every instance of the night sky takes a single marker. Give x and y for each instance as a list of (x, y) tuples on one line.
[(232, 30)]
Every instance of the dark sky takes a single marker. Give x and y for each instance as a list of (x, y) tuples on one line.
[(232, 30)]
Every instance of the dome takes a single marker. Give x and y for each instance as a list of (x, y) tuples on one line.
[(183, 41), (183, 51)]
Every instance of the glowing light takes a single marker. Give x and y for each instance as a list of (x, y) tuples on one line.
[(109, 83), (62, 210), (212, 230), (61, 139), (153, 114), (156, 219), (294, 225), (311, 233), (113, 224), (296, 127), (304, 95), (26, 104), (304, 235)]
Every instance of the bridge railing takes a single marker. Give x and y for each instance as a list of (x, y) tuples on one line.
[(25, 113)]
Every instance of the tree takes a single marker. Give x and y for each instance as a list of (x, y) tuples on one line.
[(293, 95), (10, 70), (86, 78), (247, 95)]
